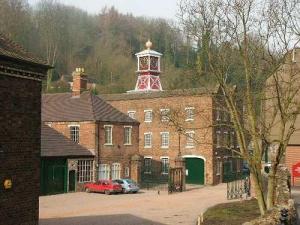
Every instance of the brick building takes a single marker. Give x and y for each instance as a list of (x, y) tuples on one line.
[(110, 135), (191, 123), (20, 132)]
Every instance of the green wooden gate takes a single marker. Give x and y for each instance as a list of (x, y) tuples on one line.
[(195, 170), (53, 176)]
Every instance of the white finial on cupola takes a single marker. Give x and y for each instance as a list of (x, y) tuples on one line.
[(148, 44)]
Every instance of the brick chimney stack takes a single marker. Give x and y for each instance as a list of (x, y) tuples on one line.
[(79, 82)]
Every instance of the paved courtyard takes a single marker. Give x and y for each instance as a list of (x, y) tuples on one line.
[(144, 208)]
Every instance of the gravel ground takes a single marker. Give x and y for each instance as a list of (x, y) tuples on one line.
[(144, 208)]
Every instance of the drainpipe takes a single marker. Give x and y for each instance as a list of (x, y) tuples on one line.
[(97, 134)]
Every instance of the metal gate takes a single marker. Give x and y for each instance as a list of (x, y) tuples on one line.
[(236, 189), (175, 180)]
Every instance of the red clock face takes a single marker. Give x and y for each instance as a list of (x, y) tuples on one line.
[(154, 63), (144, 63)]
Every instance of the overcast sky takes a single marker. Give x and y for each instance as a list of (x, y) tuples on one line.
[(150, 8)]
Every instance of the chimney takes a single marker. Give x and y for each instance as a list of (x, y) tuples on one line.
[(79, 82)]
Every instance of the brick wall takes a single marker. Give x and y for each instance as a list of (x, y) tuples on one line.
[(292, 157), (116, 153), (20, 101), (201, 125)]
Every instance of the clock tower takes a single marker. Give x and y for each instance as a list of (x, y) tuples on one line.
[(148, 70)]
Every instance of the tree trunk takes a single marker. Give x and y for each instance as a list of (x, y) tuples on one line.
[(271, 189), (257, 184)]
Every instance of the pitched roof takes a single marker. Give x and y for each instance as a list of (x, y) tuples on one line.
[(12, 50), (160, 94), (54, 144), (86, 107)]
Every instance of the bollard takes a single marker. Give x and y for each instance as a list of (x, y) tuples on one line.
[(284, 215)]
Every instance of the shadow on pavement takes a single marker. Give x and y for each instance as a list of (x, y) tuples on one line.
[(120, 219)]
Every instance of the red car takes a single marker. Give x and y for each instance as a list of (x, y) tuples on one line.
[(104, 186)]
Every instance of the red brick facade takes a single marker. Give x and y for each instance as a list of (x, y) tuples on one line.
[(202, 125)]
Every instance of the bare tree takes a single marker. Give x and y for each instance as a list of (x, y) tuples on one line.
[(251, 39)]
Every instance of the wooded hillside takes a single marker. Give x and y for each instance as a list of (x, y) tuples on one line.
[(104, 44)]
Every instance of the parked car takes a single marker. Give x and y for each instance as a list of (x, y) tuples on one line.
[(103, 186), (128, 185)]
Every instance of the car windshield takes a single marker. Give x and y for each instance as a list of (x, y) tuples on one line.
[(130, 181)]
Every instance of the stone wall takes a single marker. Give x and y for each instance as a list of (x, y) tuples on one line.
[(20, 132)]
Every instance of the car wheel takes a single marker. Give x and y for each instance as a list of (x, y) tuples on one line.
[(87, 190), (123, 190), (107, 192)]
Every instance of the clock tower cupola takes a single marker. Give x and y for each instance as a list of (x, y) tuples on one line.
[(148, 70)]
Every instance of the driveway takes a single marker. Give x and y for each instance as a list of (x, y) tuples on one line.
[(144, 208)]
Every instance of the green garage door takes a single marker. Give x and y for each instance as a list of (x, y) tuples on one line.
[(53, 176), (195, 170)]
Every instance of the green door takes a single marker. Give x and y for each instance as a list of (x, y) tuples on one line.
[(72, 180), (194, 171), (53, 176)]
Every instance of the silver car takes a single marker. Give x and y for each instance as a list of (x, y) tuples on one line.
[(128, 185)]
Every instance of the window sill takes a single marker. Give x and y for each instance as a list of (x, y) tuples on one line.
[(147, 172), (147, 146), (189, 120), (164, 147), (189, 146), (164, 173), (128, 144), (108, 145)]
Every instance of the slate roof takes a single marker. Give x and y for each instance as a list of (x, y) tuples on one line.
[(160, 94), (54, 144), (63, 107), (12, 50)]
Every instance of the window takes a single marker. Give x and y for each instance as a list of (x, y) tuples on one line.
[(227, 139), (232, 139), (218, 134), (219, 166), (189, 113), (74, 133), (131, 114), (127, 172), (218, 117), (147, 165), (104, 171), (148, 115), (164, 165), (115, 171), (190, 135), (85, 171), (127, 135), (147, 140), (108, 134), (164, 139), (164, 113)]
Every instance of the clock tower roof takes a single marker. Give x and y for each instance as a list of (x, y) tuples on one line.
[(148, 51)]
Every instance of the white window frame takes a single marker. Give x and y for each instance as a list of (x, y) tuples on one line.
[(189, 117), (163, 158), (150, 167), (131, 112), (130, 135), (164, 117), (190, 140), (104, 171), (150, 145), (111, 135), (85, 170), (146, 113), (116, 171), (218, 139), (226, 139), (75, 138), (167, 143)]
